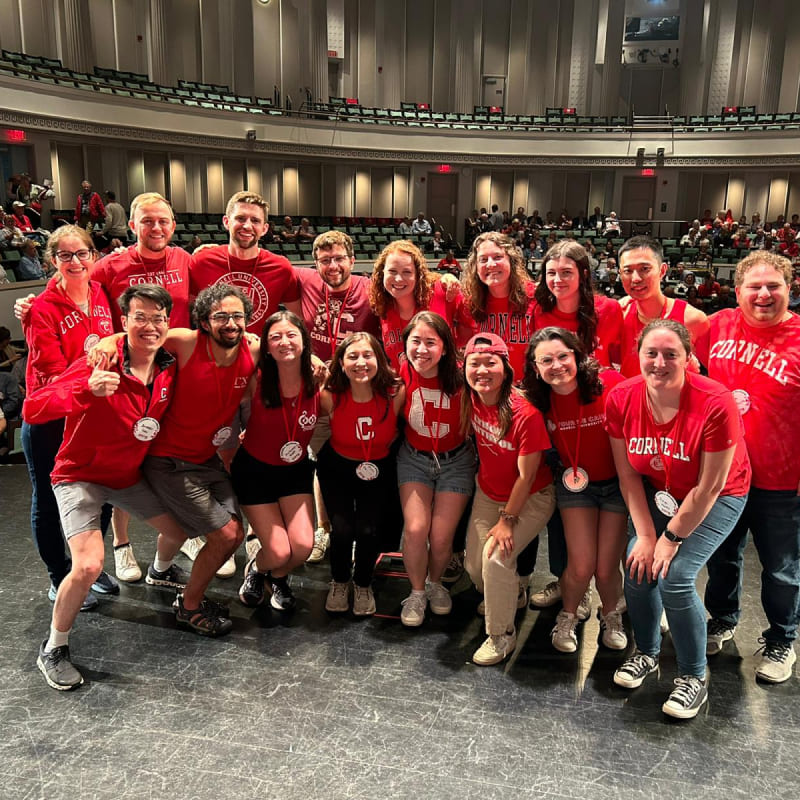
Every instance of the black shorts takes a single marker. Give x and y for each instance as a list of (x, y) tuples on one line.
[(256, 483)]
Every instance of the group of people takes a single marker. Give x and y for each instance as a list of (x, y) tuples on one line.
[(467, 416)]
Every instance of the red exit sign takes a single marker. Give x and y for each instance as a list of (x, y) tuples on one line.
[(444, 168), (14, 136), (648, 172)]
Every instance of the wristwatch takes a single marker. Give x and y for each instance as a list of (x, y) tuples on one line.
[(671, 537)]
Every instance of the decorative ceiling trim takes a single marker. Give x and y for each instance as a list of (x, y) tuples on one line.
[(99, 130)]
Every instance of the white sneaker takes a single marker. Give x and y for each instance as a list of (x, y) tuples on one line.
[(321, 542), (548, 596), (585, 606), (251, 547), (614, 636), (228, 569), (777, 661), (125, 565), (495, 649), (338, 599), (363, 601), (439, 598), (413, 613), (563, 635), (191, 547)]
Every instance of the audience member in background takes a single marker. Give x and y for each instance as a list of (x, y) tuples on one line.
[(709, 288), (597, 219), (789, 247), (404, 228), (682, 289), (194, 243), (496, 218), (116, 224), (794, 297), (612, 227), (288, 232), (450, 264), (693, 298), (740, 239), (421, 225), (89, 208), (692, 236), (11, 237), (20, 218), (305, 233), (29, 268), (10, 395), (437, 245), (581, 221), (9, 354), (726, 297), (3, 276)]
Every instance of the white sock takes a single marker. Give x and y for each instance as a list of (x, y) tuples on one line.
[(418, 592), (57, 639), (161, 566)]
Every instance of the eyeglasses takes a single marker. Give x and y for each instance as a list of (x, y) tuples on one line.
[(340, 261), (548, 361), (221, 318), (140, 320), (64, 256)]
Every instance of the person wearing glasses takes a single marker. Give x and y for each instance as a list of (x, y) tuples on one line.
[(64, 322), (335, 303), (126, 402)]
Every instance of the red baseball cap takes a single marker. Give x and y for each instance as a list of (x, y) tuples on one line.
[(486, 343)]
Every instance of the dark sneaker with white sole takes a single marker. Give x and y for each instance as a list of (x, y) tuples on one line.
[(687, 698), (717, 633), (57, 668), (105, 584), (252, 590), (174, 577), (634, 670), (207, 620), (282, 598)]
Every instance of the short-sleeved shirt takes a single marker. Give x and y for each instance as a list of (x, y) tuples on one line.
[(498, 455), (707, 421)]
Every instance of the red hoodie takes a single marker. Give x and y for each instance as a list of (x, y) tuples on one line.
[(99, 445), (58, 332)]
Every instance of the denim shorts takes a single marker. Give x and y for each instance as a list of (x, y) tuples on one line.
[(456, 473), (603, 495)]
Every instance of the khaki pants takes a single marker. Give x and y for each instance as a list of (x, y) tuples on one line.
[(496, 578)]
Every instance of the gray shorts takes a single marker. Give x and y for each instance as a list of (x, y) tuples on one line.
[(80, 504), (603, 495), (456, 472), (200, 496)]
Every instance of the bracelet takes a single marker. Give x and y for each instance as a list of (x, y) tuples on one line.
[(510, 518), (671, 537)]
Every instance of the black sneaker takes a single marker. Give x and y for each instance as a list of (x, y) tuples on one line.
[(174, 577), (206, 620), (57, 668), (212, 606), (105, 584), (717, 633), (687, 698), (634, 670), (252, 590), (282, 597)]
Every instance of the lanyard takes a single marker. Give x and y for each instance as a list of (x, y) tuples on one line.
[(333, 335), (290, 433), (573, 461), (665, 463), (434, 438)]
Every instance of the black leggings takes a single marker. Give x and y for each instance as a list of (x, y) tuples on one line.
[(359, 511)]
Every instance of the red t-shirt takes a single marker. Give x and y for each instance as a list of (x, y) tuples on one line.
[(765, 363), (430, 413), (609, 325), (362, 431), (454, 313), (268, 280), (498, 457), (269, 429), (632, 328), (205, 400), (117, 271), (331, 314), (512, 327), (594, 453), (707, 421)]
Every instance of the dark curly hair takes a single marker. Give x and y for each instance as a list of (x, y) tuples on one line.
[(214, 295), (385, 381), (587, 316), (538, 392), (270, 383), (477, 293)]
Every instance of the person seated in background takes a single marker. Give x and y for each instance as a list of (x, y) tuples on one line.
[(305, 233), (794, 297), (450, 264), (692, 236), (564, 220), (29, 267), (709, 287), (116, 224), (436, 245), (289, 232), (682, 289), (11, 237), (404, 228), (10, 396), (195, 242), (726, 298), (789, 247), (704, 257), (9, 354), (20, 218), (612, 228), (421, 225), (740, 239), (581, 221)]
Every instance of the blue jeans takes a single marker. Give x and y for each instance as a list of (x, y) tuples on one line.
[(773, 517), (677, 593)]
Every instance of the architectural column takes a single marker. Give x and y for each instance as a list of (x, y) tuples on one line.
[(157, 62), (614, 28), (466, 31), (75, 44), (318, 50)]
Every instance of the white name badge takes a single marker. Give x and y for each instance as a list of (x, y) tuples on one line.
[(575, 480), (291, 452), (90, 341), (742, 399), (221, 436), (146, 429), (367, 471), (666, 504)]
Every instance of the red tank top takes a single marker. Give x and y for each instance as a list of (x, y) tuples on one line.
[(281, 436), (434, 418), (363, 431), (632, 327), (205, 400)]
